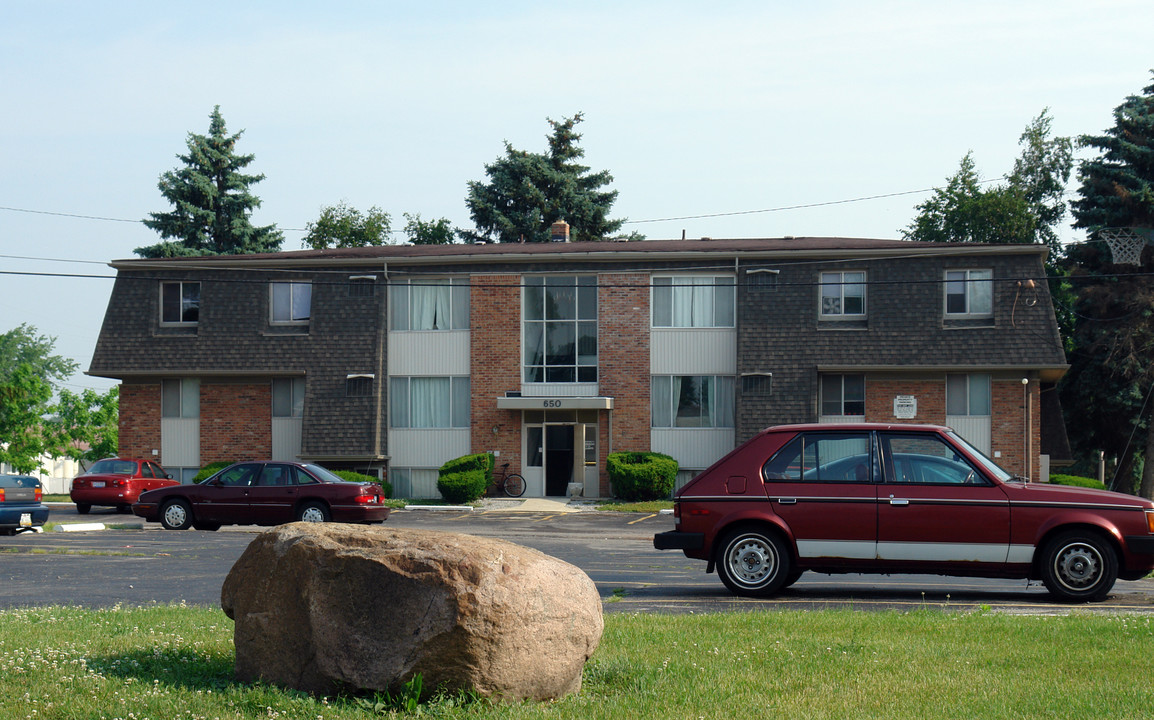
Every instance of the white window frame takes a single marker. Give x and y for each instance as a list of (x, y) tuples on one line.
[(837, 281), (535, 342), (686, 290), (184, 304), (454, 315), (274, 288), (403, 407), (970, 278)]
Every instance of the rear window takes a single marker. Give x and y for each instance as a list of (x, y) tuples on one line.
[(18, 481), (112, 467), (822, 457)]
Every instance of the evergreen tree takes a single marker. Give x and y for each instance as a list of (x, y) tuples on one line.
[(1110, 384), (343, 226), (211, 201), (528, 192)]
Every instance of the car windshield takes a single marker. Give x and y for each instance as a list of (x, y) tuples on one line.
[(324, 475), (112, 467), (987, 463)]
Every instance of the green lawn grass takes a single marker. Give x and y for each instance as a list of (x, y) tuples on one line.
[(167, 662)]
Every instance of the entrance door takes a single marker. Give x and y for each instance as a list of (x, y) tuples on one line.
[(558, 459)]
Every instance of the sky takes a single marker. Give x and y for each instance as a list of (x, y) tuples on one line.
[(725, 119)]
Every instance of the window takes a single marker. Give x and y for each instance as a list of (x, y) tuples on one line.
[(180, 398), (968, 394), (969, 292), (359, 386), (288, 397), (843, 395), (179, 303), (362, 286), (429, 402), (291, 302), (692, 401), (823, 457), (433, 304), (927, 460), (693, 301), (842, 294), (560, 325)]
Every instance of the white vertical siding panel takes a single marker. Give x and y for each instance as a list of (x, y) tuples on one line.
[(695, 449), (427, 448), (975, 428), (286, 438), (441, 352), (697, 351), (180, 442)]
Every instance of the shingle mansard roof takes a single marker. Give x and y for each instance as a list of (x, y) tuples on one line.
[(769, 248)]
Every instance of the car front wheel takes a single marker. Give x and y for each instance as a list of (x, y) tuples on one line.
[(313, 512), (176, 515), (1079, 566), (753, 562), (83, 508)]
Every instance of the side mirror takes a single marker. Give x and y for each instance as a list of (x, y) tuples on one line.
[(168, 476)]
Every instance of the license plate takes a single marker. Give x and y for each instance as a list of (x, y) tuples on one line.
[(98, 484), (25, 519)]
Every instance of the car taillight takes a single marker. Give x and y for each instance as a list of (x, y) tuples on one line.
[(1, 494), (39, 494), (1149, 517), (119, 483), (367, 499)]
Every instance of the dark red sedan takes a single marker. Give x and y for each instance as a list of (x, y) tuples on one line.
[(117, 482), (870, 498), (264, 493)]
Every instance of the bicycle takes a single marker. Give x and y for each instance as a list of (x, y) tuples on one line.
[(511, 484)]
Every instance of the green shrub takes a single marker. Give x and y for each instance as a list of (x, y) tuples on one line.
[(212, 469), (357, 477), (642, 475), (1076, 481), (466, 478)]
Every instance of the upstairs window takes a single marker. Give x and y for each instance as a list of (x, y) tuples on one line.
[(291, 302), (843, 294), (429, 304), (843, 395), (560, 326), (969, 293), (179, 303), (694, 301)]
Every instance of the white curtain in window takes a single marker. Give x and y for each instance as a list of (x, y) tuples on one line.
[(429, 400), (693, 300), (662, 402), (723, 392), (430, 307)]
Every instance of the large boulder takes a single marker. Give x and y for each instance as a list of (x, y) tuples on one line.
[(323, 607)]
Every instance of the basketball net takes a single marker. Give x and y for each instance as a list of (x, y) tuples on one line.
[(1126, 244)]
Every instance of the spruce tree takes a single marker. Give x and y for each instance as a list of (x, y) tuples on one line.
[(528, 192), (211, 201)]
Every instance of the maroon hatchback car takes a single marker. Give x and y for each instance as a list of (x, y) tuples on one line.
[(871, 498), (117, 482), (264, 493)]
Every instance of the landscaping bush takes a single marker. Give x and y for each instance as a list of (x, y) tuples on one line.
[(1076, 481), (357, 477), (466, 478), (642, 475), (212, 469)]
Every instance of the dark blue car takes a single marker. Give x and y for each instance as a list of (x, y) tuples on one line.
[(20, 506)]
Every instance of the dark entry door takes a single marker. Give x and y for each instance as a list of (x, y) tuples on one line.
[(558, 459)]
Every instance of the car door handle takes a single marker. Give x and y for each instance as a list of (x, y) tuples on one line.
[(895, 501), (787, 501)]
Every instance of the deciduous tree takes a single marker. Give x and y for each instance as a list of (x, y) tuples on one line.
[(428, 232), (212, 202), (343, 226)]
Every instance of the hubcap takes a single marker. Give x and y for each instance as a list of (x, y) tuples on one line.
[(1078, 566), (175, 515), (751, 561), (312, 514)]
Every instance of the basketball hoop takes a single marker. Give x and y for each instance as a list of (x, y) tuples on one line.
[(1126, 243)]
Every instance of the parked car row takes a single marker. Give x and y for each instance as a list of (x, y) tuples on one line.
[(21, 508)]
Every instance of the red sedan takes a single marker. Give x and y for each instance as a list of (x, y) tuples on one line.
[(117, 482), (870, 498), (264, 493)]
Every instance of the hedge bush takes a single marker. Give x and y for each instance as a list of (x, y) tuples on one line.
[(465, 479), (642, 475), (357, 477), (212, 469), (1076, 481)]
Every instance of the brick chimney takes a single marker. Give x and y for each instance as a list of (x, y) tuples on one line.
[(559, 232)]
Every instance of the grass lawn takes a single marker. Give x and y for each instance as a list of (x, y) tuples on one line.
[(170, 663)]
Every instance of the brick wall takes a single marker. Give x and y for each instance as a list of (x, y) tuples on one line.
[(495, 348), (623, 364), (235, 421), (139, 420)]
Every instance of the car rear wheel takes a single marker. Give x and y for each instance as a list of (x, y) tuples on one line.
[(1079, 566), (313, 512), (206, 526), (83, 508), (176, 515), (754, 562)]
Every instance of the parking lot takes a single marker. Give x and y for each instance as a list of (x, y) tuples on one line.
[(139, 564)]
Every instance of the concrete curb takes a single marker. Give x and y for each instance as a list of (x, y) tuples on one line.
[(79, 527)]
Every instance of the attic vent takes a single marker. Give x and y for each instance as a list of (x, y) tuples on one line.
[(754, 384)]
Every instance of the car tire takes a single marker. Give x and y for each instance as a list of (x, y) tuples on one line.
[(83, 508), (754, 562), (1079, 566), (206, 526), (176, 515), (124, 509), (313, 511)]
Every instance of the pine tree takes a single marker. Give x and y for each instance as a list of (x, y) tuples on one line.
[(528, 192), (211, 201), (1110, 384)]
